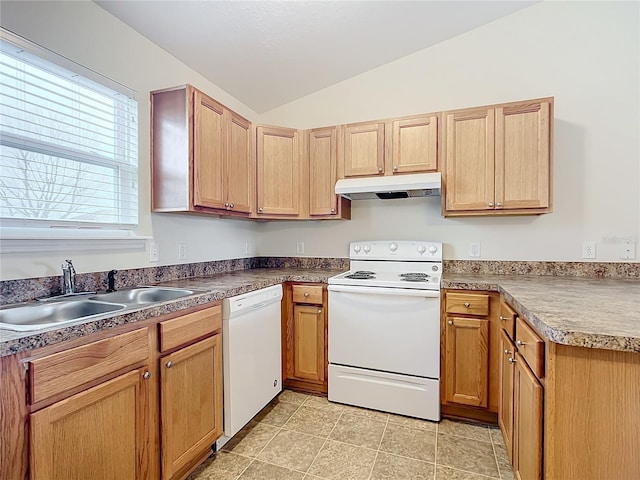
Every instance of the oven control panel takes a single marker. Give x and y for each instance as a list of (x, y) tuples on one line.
[(397, 250)]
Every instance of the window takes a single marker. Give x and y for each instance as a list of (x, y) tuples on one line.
[(68, 143)]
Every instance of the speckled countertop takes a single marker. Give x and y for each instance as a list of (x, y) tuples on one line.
[(580, 311), (211, 288)]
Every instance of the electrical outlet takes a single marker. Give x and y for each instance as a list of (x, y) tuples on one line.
[(300, 247), (588, 249), (628, 250), (182, 251), (474, 249), (154, 252)]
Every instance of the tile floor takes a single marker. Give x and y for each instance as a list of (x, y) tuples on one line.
[(299, 437)]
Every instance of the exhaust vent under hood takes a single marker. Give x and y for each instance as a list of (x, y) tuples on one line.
[(390, 187)]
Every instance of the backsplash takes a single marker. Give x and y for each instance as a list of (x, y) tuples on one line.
[(13, 291)]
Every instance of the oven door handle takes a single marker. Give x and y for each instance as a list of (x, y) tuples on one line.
[(405, 292)]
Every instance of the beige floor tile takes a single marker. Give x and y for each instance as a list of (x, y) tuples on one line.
[(338, 461), (292, 450), (409, 442), (496, 436), (289, 396), (392, 467), (264, 471), (323, 402), (276, 413), (446, 473), (221, 466), (375, 414), (466, 454), (358, 430), (314, 421), (505, 468), (467, 430), (251, 439), (412, 422)]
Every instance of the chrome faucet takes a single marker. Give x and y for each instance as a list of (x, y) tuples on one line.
[(68, 278)]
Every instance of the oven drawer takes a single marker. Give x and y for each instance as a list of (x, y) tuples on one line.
[(467, 303)]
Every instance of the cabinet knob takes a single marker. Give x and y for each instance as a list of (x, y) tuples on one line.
[(506, 352), (379, 169), (467, 304), (169, 364), (450, 322), (319, 311), (226, 205), (512, 360), (502, 319), (520, 343), (231, 205), (490, 204), (333, 210), (306, 294), (260, 209), (498, 204), (395, 168), (146, 375)]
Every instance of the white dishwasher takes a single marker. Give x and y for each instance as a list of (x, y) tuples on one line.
[(251, 356)]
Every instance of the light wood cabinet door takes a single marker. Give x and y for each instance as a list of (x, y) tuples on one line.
[(467, 361), (469, 148), (364, 149), (100, 433), (522, 156), (239, 160), (415, 144), (191, 403), (527, 423), (308, 343), (208, 153), (505, 409), (278, 171), (323, 150)]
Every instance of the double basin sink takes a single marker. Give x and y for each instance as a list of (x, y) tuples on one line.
[(59, 311)]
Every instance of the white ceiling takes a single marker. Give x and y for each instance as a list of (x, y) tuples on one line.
[(268, 53)]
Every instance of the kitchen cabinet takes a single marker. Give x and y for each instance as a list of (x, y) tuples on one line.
[(363, 152), (304, 337), (279, 169), (323, 170), (414, 145), (470, 357), (202, 156), (497, 159), (507, 354)]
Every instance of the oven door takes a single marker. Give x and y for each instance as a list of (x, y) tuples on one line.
[(394, 330)]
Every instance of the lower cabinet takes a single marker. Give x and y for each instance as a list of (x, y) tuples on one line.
[(304, 337), (100, 433), (505, 410)]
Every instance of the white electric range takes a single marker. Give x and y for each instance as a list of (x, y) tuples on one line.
[(384, 328)]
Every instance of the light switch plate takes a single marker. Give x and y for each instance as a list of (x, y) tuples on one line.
[(300, 247), (154, 252), (474, 250)]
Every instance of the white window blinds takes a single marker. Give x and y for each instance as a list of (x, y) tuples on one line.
[(68, 145)]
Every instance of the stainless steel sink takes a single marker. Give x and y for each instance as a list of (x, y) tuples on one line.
[(43, 315), (142, 295)]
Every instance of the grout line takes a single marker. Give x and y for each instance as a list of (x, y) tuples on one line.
[(375, 459), (325, 442)]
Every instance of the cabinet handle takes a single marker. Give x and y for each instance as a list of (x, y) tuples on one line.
[(502, 319), (450, 322), (395, 168), (498, 204), (379, 169), (507, 352), (169, 364), (146, 375), (306, 294), (467, 304), (512, 360), (520, 343), (260, 209), (490, 204)]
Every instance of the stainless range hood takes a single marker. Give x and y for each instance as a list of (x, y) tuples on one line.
[(389, 187)]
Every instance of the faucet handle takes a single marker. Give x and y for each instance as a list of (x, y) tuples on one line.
[(111, 281)]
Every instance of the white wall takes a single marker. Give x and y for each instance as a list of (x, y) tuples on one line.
[(586, 54), (87, 34)]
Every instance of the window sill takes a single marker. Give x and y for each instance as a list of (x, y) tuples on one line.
[(33, 243)]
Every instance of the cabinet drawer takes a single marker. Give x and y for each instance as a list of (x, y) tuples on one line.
[(467, 303), (307, 294), (71, 368), (530, 346), (508, 319), (185, 329)]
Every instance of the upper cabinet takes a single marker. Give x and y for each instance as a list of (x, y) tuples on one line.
[(498, 159), (414, 145), (279, 172), (202, 158), (323, 153), (364, 149)]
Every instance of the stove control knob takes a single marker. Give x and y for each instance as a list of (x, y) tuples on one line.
[(393, 247), (433, 249), (366, 249), (421, 249), (356, 248)]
